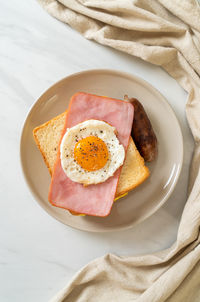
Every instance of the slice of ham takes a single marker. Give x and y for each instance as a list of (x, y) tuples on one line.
[(94, 200)]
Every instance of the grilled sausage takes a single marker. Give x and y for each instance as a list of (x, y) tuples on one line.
[(142, 132)]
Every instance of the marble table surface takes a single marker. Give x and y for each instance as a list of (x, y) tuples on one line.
[(39, 255)]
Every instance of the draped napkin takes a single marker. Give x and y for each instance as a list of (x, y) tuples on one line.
[(165, 33)]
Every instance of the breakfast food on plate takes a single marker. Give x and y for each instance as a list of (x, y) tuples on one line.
[(47, 137), (142, 131), (84, 150)]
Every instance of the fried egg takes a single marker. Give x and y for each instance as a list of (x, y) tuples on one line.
[(90, 152)]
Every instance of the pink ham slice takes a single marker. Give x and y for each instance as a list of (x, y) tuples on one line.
[(94, 200)]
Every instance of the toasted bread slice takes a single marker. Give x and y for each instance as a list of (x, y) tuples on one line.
[(47, 137)]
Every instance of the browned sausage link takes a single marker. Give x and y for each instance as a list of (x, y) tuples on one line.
[(142, 132)]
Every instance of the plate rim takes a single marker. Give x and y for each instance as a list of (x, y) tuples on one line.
[(124, 75)]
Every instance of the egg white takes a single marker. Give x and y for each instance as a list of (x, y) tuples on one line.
[(91, 128)]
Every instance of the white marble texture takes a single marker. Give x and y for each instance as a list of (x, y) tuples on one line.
[(39, 255)]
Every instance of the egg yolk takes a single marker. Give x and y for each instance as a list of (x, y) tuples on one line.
[(91, 153)]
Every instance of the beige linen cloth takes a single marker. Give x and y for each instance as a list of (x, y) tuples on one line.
[(165, 33)]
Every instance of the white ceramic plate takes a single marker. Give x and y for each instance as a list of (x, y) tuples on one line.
[(144, 200)]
